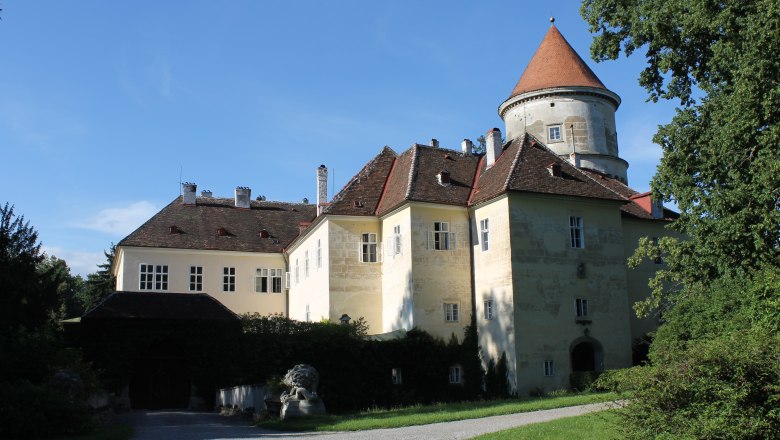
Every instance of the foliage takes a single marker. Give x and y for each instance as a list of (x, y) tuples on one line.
[(583, 380), (69, 288), (715, 367), (721, 60), (496, 378), (28, 299), (434, 413), (100, 283)]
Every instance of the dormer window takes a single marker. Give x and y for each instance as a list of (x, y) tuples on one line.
[(264, 233), (554, 169), (554, 133), (173, 229), (222, 232), (444, 178)]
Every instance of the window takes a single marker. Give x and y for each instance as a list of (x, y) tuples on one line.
[(196, 278), (440, 238), (576, 230), (228, 279), (268, 280), (456, 375), (549, 368), (396, 240), (368, 248), (153, 277), (397, 378), (306, 264), (554, 133), (581, 307), (146, 275), (488, 309), (484, 228), (297, 272), (451, 312), (308, 314), (319, 254)]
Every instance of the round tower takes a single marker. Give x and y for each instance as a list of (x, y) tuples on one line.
[(563, 104)]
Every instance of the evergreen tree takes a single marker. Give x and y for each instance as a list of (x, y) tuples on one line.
[(101, 283)]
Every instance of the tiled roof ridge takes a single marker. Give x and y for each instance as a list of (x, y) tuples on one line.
[(360, 174), (475, 183), (384, 187), (515, 161), (412, 170)]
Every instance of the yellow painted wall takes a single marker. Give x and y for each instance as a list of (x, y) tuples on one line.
[(544, 269), (243, 300), (311, 290), (397, 285), (493, 281), (440, 276), (355, 286)]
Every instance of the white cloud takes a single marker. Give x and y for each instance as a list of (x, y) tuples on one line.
[(121, 221), (79, 262)]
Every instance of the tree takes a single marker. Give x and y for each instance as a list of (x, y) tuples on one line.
[(70, 288), (101, 283), (27, 299), (714, 368), (721, 61)]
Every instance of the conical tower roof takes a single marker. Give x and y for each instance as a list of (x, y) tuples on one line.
[(555, 64)]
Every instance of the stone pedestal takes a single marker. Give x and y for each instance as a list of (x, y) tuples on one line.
[(300, 408)]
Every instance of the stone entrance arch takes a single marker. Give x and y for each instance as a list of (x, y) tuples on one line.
[(586, 354)]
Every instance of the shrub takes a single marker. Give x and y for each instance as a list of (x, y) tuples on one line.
[(583, 380)]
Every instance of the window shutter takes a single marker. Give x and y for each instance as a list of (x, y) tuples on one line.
[(287, 280)]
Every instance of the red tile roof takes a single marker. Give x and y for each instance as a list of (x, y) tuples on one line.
[(555, 64), (361, 195)]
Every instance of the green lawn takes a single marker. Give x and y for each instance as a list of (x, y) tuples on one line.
[(595, 426), (421, 415)]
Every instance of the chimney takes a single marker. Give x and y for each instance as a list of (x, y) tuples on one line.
[(467, 146), (188, 193), (435, 143), (206, 193), (493, 146), (574, 159), (656, 208), (322, 188), (243, 195)]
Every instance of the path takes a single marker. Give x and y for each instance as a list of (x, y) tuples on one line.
[(184, 425)]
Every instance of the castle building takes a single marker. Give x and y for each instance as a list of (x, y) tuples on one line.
[(530, 237)]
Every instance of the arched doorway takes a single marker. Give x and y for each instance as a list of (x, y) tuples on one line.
[(586, 355)]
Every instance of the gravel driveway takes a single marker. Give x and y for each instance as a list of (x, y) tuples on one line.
[(184, 425)]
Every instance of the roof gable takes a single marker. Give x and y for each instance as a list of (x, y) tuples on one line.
[(361, 195)]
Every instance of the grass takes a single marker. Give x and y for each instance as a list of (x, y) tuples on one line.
[(105, 432), (594, 426), (422, 415)]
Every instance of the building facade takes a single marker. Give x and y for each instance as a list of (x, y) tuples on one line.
[(529, 238)]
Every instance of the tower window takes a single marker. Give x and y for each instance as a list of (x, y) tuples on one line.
[(554, 133)]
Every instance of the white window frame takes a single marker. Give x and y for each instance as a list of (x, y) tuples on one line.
[(308, 314), (554, 133), (397, 246), (306, 264), (489, 310), (397, 375), (484, 234), (369, 248), (548, 368), (228, 279), (456, 375), (275, 280), (576, 232), (153, 277), (196, 278), (272, 279), (451, 312), (319, 253), (581, 307), (440, 238)]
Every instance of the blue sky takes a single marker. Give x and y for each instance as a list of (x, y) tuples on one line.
[(107, 105)]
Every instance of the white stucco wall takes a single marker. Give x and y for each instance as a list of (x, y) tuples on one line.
[(311, 290), (243, 300), (397, 285)]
